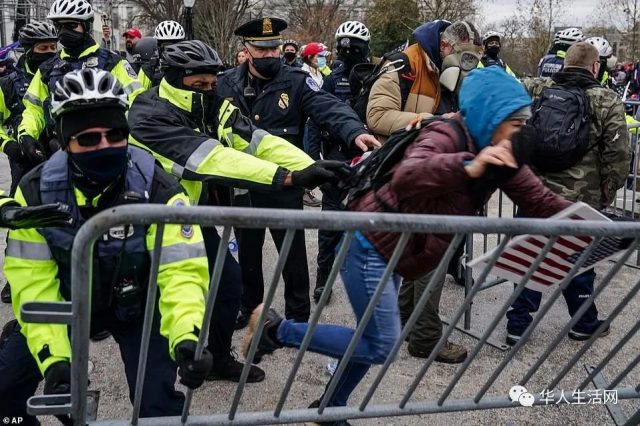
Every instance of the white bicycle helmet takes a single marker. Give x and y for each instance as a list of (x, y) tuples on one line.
[(169, 30), (490, 34), (87, 88), (353, 29), (568, 36), (80, 10), (603, 46)]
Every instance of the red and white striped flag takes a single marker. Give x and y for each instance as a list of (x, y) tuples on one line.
[(521, 252)]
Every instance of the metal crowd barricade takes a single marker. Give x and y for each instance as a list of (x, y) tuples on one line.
[(77, 313)]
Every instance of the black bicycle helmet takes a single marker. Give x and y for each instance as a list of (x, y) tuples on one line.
[(35, 32), (192, 57), (145, 49)]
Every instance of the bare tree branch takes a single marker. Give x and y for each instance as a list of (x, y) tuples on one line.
[(215, 21)]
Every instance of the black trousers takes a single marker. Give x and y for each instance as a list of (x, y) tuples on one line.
[(331, 201), (328, 240), (296, 271), (20, 376), (227, 303)]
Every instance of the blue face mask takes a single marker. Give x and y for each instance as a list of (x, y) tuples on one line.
[(98, 169), (322, 61)]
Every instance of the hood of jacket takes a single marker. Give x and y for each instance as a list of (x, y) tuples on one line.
[(487, 98), (199, 108), (428, 37), (573, 76)]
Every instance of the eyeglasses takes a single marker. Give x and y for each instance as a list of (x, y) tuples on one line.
[(94, 138)]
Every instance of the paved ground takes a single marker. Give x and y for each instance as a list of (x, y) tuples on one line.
[(215, 397)]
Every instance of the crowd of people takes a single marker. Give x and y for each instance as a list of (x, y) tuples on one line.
[(168, 122)]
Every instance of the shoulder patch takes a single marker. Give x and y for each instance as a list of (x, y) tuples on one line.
[(312, 84), (91, 62), (129, 69), (185, 230)]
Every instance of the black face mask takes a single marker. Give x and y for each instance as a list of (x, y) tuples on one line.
[(93, 171), (352, 58), (267, 67), (37, 59), (290, 56), (70, 39), (492, 51)]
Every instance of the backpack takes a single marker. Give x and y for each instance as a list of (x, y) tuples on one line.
[(372, 172), (561, 115), (363, 76)]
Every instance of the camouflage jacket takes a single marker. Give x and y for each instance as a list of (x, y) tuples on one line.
[(602, 171)]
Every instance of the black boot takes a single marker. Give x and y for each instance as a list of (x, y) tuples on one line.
[(5, 294), (321, 281), (230, 369)]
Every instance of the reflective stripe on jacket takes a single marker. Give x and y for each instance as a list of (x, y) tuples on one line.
[(37, 269), (35, 116), (221, 147)]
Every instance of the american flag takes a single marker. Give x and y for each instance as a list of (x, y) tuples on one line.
[(521, 252)]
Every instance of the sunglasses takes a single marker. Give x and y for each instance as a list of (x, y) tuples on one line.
[(94, 138), (72, 25)]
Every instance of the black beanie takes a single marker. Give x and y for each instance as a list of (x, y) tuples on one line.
[(74, 122)]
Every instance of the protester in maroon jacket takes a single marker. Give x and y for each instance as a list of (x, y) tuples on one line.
[(439, 174)]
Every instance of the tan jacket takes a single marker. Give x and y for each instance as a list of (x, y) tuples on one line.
[(384, 113)]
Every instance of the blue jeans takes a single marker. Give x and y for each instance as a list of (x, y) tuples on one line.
[(361, 273), (577, 292)]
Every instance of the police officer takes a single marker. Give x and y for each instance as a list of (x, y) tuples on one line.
[(607, 60), (553, 61), (352, 47), (145, 50), (73, 20), (39, 40), (206, 143), (166, 33), (491, 43), (94, 171), (280, 99)]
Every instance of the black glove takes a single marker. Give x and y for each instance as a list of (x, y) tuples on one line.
[(57, 378), (14, 152), (192, 373), (54, 145), (523, 144), (13, 216), (322, 171), (493, 178), (32, 149)]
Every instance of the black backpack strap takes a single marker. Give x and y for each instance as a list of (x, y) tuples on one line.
[(404, 69)]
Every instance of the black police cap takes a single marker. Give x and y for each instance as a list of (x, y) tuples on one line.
[(262, 32)]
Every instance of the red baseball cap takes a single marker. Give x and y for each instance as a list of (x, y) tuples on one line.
[(132, 32), (314, 49)]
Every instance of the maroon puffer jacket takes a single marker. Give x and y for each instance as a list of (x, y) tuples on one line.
[(431, 179)]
